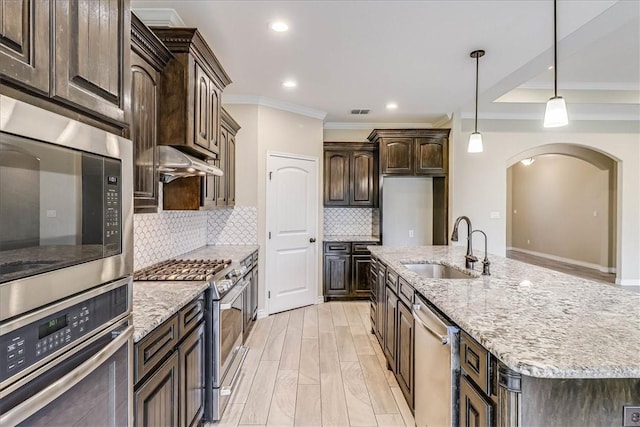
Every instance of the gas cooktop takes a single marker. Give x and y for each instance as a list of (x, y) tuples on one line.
[(183, 270)]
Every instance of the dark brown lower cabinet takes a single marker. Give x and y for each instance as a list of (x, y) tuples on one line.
[(337, 274), (360, 275), (475, 411), (346, 270), (390, 322), (380, 303), (404, 352), (155, 401), (191, 353)]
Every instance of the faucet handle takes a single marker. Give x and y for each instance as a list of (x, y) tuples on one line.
[(485, 267), (471, 258)]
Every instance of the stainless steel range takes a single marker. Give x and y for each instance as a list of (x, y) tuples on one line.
[(225, 353)]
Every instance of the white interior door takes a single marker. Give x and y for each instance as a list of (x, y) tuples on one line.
[(292, 231)]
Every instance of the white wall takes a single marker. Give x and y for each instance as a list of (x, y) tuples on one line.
[(479, 181), (266, 129), (408, 205)]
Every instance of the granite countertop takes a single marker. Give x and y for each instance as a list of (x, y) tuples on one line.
[(347, 238), (155, 302), (538, 322)]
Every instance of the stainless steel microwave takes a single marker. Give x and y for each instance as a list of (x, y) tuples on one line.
[(66, 218)]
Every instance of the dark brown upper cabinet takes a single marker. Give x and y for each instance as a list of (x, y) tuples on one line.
[(91, 55), (148, 58), (191, 89), (221, 190), (24, 43), (412, 151), (350, 174)]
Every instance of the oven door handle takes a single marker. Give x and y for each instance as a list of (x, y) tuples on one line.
[(24, 410), (226, 391), (227, 302)]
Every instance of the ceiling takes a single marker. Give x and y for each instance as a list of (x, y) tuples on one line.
[(364, 54)]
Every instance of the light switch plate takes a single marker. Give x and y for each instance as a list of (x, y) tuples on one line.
[(494, 215), (631, 416)]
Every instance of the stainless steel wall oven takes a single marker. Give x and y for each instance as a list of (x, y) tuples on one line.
[(65, 207)]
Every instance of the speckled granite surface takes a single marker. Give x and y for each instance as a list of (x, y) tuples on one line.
[(538, 322), (155, 302), (351, 238)]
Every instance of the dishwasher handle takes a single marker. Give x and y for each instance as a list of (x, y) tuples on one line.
[(444, 339)]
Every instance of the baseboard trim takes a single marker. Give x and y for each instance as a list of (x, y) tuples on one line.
[(628, 282), (320, 299), (600, 268), (262, 313)]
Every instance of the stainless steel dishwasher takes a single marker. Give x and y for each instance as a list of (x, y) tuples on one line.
[(437, 368)]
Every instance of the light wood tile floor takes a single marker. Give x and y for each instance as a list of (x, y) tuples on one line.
[(316, 366)]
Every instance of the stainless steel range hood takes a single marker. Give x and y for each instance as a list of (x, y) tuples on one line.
[(174, 164)]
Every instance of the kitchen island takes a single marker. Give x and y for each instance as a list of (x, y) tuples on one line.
[(566, 348)]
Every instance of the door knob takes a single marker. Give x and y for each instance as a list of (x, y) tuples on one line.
[(312, 240)]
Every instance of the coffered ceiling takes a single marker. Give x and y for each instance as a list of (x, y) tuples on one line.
[(365, 54)]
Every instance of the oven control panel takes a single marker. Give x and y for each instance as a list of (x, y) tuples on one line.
[(32, 343)]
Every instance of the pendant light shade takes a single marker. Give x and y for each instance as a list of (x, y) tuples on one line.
[(555, 114), (475, 140)]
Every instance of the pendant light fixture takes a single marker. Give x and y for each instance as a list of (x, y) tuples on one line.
[(475, 140), (555, 114)]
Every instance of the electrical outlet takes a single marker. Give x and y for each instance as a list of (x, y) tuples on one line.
[(528, 242), (51, 213), (410, 233), (631, 416), (494, 215)]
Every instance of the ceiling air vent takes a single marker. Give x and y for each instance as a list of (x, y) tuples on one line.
[(360, 111)]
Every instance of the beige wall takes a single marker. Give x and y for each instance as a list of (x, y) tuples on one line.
[(266, 129), (478, 183), (346, 135), (559, 206)]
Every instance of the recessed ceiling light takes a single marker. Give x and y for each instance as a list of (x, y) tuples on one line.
[(289, 84), (279, 26), (392, 106)]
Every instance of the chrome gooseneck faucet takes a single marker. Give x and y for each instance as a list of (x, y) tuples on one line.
[(469, 258), (485, 261)]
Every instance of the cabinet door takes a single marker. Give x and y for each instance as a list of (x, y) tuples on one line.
[(431, 156), (221, 181), (92, 40), (337, 272), (24, 43), (230, 171), (360, 286), (156, 402), (336, 178), (362, 180), (380, 303), (191, 353), (474, 410), (397, 156), (405, 352), (214, 118), (246, 309), (202, 108), (144, 106), (390, 323)]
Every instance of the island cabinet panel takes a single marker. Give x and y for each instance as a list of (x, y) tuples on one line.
[(156, 400), (91, 55), (431, 156), (390, 327), (405, 352), (24, 43), (336, 178), (380, 303), (396, 156), (475, 411)]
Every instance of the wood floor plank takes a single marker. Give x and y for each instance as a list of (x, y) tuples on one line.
[(290, 358), (382, 399), (325, 320), (308, 407), (334, 408), (356, 395), (231, 416), (259, 336), (310, 326), (256, 409), (328, 343), (337, 311), (405, 411), (309, 371), (273, 346), (344, 341), (283, 403), (351, 312), (247, 374), (390, 420), (391, 379)]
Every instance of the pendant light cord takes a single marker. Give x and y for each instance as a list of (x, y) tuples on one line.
[(477, 68), (555, 51)]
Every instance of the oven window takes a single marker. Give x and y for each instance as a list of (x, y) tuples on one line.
[(58, 207), (100, 399), (230, 331)]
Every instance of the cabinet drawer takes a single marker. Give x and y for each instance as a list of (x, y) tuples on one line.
[(405, 292), (475, 411), (190, 315), (392, 280), (254, 258), (361, 247), (247, 262), (337, 247), (474, 360), (152, 348)]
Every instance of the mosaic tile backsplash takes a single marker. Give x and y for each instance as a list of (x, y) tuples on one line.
[(233, 226), (351, 221)]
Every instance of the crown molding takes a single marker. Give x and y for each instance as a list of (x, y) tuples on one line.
[(633, 87), (274, 103), (533, 116), (369, 126), (159, 17)]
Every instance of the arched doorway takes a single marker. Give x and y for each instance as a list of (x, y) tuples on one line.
[(562, 209)]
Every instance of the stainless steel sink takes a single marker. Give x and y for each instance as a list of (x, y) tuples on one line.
[(438, 271)]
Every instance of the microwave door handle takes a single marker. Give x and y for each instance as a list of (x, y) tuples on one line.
[(24, 410)]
